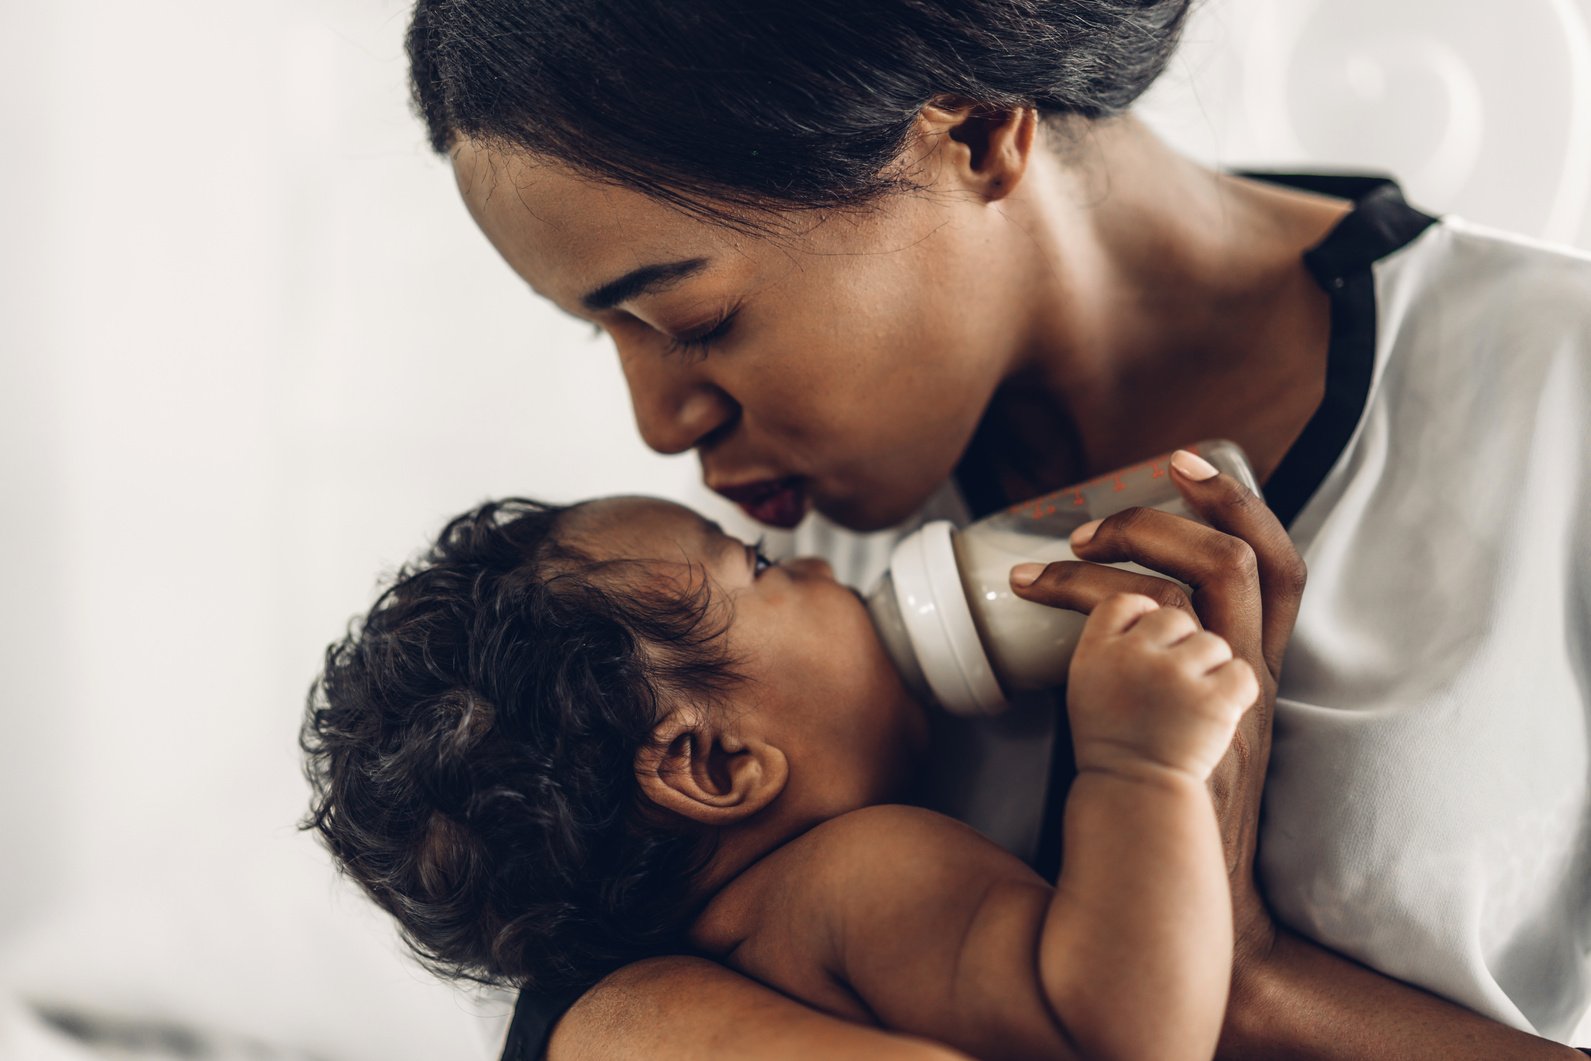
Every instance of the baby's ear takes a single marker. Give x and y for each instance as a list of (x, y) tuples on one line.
[(697, 770)]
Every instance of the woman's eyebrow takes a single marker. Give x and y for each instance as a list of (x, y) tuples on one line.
[(642, 281)]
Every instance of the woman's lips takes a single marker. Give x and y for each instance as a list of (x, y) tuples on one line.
[(776, 502)]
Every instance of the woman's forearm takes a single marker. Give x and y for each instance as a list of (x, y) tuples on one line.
[(695, 1009), (1302, 1001)]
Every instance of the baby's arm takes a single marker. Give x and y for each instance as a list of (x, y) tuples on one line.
[(1141, 931), (918, 922)]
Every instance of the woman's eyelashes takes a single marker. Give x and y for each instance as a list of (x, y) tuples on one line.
[(698, 343)]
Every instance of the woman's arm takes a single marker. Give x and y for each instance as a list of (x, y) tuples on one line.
[(1290, 998), (697, 1010), (1302, 1002)]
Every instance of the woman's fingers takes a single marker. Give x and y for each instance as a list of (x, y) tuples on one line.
[(1246, 575), (1229, 506), (1220, 568), (1247, 580), (1081, 586)]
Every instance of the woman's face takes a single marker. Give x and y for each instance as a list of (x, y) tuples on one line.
[(842, 367)]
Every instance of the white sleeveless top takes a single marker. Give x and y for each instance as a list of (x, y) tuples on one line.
[(1427, 808)]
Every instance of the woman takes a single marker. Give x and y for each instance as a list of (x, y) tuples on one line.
[(850, 253)]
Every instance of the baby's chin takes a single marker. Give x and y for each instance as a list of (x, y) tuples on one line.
[(913, 731), (912, 713)]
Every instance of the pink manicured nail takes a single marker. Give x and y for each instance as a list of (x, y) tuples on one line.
[(1026, 574), (1192, 465), (1085, 534)]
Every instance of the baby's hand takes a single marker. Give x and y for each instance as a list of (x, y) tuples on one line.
[(1148, 686)]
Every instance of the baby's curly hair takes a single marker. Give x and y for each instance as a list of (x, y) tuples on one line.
[(471, 749)]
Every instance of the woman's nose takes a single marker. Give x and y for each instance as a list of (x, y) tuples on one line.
[(675, 405)]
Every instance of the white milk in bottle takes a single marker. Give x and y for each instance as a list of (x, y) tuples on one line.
[(945, 611)]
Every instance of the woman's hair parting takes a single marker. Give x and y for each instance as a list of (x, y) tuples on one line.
[(726, 106), (471, 747)]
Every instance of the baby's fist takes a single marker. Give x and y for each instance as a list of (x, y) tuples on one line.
[(1148, 686)]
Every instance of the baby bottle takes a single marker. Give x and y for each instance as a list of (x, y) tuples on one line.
[(945, 611)]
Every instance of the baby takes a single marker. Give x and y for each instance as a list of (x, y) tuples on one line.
[(571, 737)]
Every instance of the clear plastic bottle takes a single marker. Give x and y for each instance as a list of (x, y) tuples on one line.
[(945, 611)]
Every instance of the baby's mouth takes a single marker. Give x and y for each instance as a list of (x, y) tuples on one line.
[(776, 502)]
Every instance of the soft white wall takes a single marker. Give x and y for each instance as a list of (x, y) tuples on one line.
[(1478, 108), (253, 352)]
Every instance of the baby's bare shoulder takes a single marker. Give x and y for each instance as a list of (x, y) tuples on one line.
[(894, 840), (892, 914), (789, 919), (863, 864), (871, 873)]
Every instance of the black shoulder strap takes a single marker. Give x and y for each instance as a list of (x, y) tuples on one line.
[(536, 1013)]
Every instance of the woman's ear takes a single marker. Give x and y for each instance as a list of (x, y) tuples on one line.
[(698, 770), (988, 147)]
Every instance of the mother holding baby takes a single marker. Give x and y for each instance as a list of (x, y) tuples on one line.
[(870, 260)]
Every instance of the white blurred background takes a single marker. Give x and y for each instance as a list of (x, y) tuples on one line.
[(252, 353)]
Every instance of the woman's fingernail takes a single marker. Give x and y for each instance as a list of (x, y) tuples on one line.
[(1085, 534), (1192, 465), (1026, 574)]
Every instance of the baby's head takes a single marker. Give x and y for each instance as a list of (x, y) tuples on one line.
[(560, 731)]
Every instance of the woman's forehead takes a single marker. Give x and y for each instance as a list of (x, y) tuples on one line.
[(568, 234), (549, 221)]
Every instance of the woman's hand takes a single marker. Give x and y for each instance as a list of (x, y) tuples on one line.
[(1247, 580)]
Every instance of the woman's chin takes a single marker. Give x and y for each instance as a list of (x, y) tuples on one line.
[(865, 512)]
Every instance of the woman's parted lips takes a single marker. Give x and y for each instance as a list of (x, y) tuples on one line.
[(776, 502)]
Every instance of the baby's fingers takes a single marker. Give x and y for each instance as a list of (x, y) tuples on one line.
[(1116, 615), (1204, 651), (1236, 682)]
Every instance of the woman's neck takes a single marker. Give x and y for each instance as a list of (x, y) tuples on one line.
[(1167, 303)]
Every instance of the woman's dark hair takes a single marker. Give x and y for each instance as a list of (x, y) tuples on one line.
[(764, 104), (471, 747)]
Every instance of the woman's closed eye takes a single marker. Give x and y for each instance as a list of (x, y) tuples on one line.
[(699, 342)]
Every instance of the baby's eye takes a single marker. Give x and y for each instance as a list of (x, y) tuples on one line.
[(760, 562)]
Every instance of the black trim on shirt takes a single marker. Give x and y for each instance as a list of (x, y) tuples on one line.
[(1381, 222)]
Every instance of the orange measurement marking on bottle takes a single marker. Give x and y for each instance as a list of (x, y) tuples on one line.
[(1038, 508)]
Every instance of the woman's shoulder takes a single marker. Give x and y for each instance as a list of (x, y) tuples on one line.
[(1471, 308), (1489, 272)]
